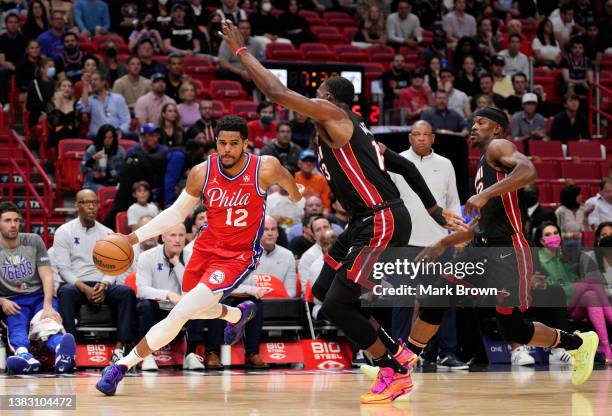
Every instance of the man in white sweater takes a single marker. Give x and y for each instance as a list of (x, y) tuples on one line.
[(439, 175), (404, 28), (80, 281), (159, 279)]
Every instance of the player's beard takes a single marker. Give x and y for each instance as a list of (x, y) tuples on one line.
[(10, 235), (231, 165)]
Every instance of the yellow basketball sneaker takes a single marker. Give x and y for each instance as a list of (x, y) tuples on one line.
[(388, 386), (584, 357), (405, 357)]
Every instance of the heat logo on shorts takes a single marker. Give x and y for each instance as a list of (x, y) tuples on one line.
[(217, 277)]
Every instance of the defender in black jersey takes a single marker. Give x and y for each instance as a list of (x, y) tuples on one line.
[(499, 224), (354, 165)]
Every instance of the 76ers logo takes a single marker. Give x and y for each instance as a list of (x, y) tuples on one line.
[(217, 277)]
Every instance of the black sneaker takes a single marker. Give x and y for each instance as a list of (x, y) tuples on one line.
[(451, 362)]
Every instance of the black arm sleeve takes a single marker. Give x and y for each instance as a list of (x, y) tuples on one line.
[(402, 166)]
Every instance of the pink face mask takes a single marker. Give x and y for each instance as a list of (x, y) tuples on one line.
[(552, 241)]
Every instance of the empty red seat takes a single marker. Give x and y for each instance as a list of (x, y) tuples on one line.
[(546, 150), (325, 30), (312, 17), (127, 144), (219, 109), (381, 53), (349, 33), (338, 49), (285, 55), (548, 170), (121, 223), (353, 57), (313, 47), (226, 88), (545, 193), (246, 109), (336, 15), (585, 150), (340, 22), (584, 171), (275, 47), (320, 56), (106, 197), (67, 169), (330, 38)]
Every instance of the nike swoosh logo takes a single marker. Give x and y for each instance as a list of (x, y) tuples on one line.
[(501, 256)]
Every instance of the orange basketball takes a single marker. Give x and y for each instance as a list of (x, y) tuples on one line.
[(113, 254)]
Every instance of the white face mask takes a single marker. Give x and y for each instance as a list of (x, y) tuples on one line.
[(266, 7)]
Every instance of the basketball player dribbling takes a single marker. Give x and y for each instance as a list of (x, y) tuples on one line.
[(496, 237), (354, 165), (232, 185)]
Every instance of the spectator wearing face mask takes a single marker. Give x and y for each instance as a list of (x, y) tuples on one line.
[(263, 131)]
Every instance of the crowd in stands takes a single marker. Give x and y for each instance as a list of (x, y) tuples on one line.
[(114, 71)]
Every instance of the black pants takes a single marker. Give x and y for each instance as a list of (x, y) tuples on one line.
[(446, 337), (119, 297), (149, 313), (252, 332), (340, 284), (5, 84)]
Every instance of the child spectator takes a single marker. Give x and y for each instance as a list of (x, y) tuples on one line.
[(141, 191)]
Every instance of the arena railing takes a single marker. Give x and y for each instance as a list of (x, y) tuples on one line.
[(596, 93), (25, 169)]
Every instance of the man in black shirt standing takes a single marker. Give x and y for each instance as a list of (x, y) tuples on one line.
[(181, 38), (394, 80), (174, 79), (12, 47), (70, 63)]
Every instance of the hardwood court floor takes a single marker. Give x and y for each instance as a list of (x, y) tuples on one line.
[(325, 393)]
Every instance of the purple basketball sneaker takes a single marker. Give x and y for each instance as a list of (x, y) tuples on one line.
[(233, 332), (111, 376)]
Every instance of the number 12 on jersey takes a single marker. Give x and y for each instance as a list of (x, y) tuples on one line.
[(236, 218)]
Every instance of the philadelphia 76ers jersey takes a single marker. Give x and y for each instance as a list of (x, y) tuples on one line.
[(236, 208)]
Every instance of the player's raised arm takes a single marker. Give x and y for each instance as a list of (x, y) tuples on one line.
[(271, 172), (177, 212), (503, 155), (320, 109), (397, 164)]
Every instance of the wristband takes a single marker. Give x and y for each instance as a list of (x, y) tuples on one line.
[(239, 50), (437, 216)]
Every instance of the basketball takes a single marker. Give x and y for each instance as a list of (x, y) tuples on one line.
[(113, 254)]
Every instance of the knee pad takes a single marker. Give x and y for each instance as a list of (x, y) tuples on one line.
[(432, 316), (514, 327)]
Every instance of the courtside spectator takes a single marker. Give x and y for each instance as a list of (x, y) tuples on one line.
[(80, 281), (111, 67), (576, 69), (515, 27), (204, 129), (92, 17), (36, 22), (443, 120), (457, 99), (394, 80), (63, 117), (569, 124), (536, 213), (145, 31), (40, 91), (546, 50), (51, 40), (148, 108), (403, 27), (265, 25), (132, 85), (103, 160), (70, 63), (486, 88), (170, 126), (572, 216), (314, 183), (601, 203), (416, 98), (282, 209), (263, 131), (179, 37), (283, 148), (26, 68), (189, 109), (276, 260), (159, 279), (318, 226), (149, 66), (293, 26), (502, 82), (12, 45), (141, 191), (103, 106), (528, 124), (302, 130), (371, 29), (514, 102), (467, 78), (563, 24), (180, 160), (489, 40), (515, 60), (175, 77), (230, 65), (458, 24), (229, 10)]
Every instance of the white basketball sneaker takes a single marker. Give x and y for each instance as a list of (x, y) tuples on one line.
[(559, 356), (149, 364), (520, 356), (193, 362)]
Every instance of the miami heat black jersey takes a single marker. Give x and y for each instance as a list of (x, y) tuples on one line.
[(356, 172), (503, 216)]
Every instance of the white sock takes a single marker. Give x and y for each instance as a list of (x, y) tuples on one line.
[(214, 312), (131, 359), (21, 350), (232, 315)]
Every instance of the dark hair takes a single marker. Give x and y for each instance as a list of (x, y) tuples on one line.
[(30, 19), (8, 207), (316, 217), (600, 228), (11, 14), (132, 57), (604, 182), (564, 8), (233, 123), (141, 184), (518, 74), (569, 194), (341, 88), (175, 55), (264, 104), (486, 75), (145, 40), (540, 34), (576, 40), (540, 230), (447, 69), (65, 35), (515, 35), (283, 123), (459, 53), (192, 145), (599, 252), (199, 209), (306, 218), (569, 96), (99, 140), (42, 62), (418, 73)]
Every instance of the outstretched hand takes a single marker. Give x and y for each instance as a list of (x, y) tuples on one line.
[(231, 35)]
